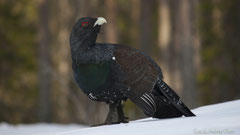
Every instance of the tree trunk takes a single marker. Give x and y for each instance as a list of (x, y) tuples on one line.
[(146, 26), (135, 19), (44, 63), (179, 44), (187, 33), (62, 18), (164, 38), (111, 27)]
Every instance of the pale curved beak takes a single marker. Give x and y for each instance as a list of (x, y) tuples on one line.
[(100, 21)]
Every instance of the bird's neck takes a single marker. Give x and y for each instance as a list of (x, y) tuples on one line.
[(79, 47)]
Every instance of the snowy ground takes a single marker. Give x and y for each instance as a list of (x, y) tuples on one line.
[(219, 119), (36, 129)]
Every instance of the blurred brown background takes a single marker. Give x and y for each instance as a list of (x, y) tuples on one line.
[(196, 43)]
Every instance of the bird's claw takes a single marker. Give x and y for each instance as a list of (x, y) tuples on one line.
[(110, 123)]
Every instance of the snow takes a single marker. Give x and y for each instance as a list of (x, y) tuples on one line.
[(36, 129), (218, 119)]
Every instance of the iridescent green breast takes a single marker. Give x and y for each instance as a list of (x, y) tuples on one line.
[(90, 77)]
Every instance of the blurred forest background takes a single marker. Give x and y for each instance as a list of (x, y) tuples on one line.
[(196, 43)]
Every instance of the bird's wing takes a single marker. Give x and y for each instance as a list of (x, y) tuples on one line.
[(140, 75)]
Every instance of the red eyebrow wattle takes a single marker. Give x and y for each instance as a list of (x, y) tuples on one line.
[(83, 23)]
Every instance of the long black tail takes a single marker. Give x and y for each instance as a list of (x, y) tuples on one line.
[(167, 94)]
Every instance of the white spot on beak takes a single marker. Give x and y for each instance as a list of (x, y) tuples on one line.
[(113, 58), (100, 21)]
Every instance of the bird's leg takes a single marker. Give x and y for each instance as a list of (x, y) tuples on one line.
[(114, 110), (111, 114), (121, 117)]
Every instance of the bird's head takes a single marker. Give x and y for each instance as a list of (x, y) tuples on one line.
[(85, 31)]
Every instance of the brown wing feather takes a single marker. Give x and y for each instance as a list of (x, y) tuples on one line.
[(141, 76)]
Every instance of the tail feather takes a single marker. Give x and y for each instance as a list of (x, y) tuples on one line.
[(172, 97), (164, 109)]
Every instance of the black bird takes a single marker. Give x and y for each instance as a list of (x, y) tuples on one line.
[(112, 73)]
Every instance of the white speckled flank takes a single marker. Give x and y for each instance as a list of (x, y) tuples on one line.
[(91, 96)]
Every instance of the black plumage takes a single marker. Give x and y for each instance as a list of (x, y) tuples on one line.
[(112, 73)]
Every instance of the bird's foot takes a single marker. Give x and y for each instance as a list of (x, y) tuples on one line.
[(110, 123), (119, 122), (123, 121), (102, 124)]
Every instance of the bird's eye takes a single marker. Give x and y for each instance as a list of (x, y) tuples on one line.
[(84, 24)]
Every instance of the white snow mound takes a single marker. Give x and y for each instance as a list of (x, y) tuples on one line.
[(218, 119)]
